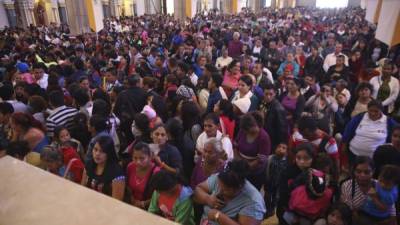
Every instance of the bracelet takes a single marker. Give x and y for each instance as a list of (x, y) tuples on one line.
[(216, 217)]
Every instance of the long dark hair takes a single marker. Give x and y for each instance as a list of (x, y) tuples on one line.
[(190, 114), (234, 174), (106, 144)]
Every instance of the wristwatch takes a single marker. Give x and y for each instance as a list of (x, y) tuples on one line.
[(216, 217)]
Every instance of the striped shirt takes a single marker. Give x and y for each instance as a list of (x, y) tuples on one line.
[(61, 116), (357, 201)]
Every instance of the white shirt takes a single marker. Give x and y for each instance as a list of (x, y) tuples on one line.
[(43, 82), (368, 136), (376, 82), (226, 144), (221, 62), (330, 60)]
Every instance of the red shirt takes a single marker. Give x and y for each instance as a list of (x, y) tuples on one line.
[(138, 184), (166, 203), (229, 126)]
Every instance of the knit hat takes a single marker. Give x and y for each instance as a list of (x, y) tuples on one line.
[(243, 104), (22, 67), (149, 112)]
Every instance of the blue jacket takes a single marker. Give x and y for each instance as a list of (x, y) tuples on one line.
[(351, 127)]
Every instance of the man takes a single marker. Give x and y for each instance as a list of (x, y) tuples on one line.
[(60, 115), (6, 110), (308, 132), (82, 100), (7, 94), (330, 45), (111, 80), (330, 59), (200, 65), (289, 48), (386, 87), (271, 54), (235, 46), (289, 62), (223, 60), (263, 75), (40, 76), (275, 122), (129, 102)]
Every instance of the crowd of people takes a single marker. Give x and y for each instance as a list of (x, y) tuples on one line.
[(219, 119)]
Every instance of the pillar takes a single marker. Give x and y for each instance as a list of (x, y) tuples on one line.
[(62, 9), (127, 6), (10, 18), (54, 11), (115, 6), (77, 16), (25, 13), (179, 9)]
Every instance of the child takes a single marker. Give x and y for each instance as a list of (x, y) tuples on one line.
[(171, 199), (311, 193), (338, 214), (382, 196), (276, 164)]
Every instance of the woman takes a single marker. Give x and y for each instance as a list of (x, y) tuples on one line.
[(245, 85), (358, 103), (139, 173), (226, 117), (293, 101), (314, 62), (171, 199), (302, 161), (388, 154), (322, 106), (102, 171), (141, 128), (355, 191), (366, 131), (25, 128), (254, 146), (211, 125), (166, 156), (231, 77), (98, 126), (64, 162), (38, 105), (228, 198)]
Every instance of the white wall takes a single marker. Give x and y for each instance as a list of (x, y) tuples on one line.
[(98, 15), (306, 3), (354, 2), (140, 7), (3, 16)]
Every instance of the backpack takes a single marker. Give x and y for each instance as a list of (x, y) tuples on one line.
[(313, 198)]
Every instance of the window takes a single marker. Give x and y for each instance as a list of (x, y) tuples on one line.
[(332, 4), (267, 3)]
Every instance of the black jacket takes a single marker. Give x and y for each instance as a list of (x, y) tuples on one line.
[(131, 100), (275, 122)]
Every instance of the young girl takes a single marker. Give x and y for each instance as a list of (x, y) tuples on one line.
[(172, 200), (338, 214), (303, 161), (139, 173), (62, 135)]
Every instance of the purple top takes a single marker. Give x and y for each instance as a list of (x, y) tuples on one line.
[(235, 48), (261, 145), (198, 174), (289, 104)]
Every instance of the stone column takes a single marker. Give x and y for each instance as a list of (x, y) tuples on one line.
[(54, 11), (9, 8), (26, 15), (115, 6)]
